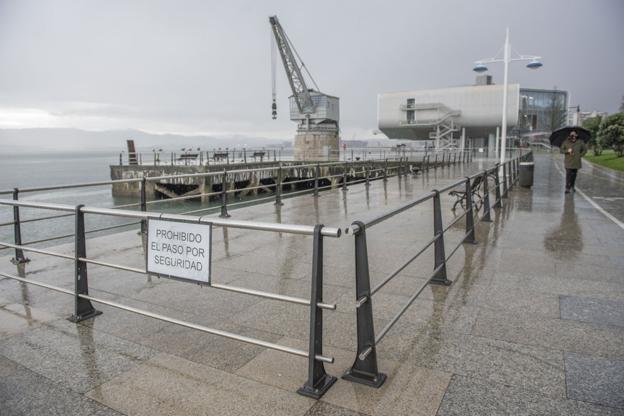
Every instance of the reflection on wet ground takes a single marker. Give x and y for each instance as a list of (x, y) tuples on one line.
[(532, 324)]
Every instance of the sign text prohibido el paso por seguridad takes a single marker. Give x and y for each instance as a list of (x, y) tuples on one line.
[(179, 249)]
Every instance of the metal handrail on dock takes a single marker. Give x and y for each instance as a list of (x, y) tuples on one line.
[(365, 367), (84, 309)]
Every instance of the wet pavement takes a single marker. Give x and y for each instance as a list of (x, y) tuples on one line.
[(532, 325)]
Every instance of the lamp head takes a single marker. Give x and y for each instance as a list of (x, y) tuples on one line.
[(534, 64), (480, 67)]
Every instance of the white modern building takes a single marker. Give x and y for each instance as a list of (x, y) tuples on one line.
[(451, 116)]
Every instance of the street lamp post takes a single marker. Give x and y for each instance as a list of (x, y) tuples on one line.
[(506, 60)]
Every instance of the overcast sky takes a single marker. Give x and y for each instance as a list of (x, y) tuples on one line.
[(203, 67)]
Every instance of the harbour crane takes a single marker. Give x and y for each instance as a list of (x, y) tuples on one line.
[(316, 113)]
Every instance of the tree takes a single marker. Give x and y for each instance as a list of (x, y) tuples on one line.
[(622, 105), (593, 125), (611, 133)]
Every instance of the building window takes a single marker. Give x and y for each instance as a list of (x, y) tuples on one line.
[(410, 113)]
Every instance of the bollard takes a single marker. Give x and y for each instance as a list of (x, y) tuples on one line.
[(245, 155), (317, 174), (278, 186), (470, 227), (486, 198), (364, 369), (318, 380), (120, 160), (344, 178), (366, 176), (439, 265), (443, 156), (435, 166), (224, 212), (83, 309), (19, 258)]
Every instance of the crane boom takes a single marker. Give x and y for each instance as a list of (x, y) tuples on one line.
[(293, 72)]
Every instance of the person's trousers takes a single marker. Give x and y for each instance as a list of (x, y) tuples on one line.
[(570, 178)]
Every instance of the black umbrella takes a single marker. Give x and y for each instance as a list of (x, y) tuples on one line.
[(558, 136)]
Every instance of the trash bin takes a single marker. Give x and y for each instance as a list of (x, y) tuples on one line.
[(526, 174)]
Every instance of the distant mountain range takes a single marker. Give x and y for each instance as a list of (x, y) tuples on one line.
[(67, 139)]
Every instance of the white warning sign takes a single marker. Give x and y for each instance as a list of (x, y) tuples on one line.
[(179, 249)]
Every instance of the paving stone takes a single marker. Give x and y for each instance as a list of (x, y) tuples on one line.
[(73, 355), (16, 318), (326, 409), (519, 365), (597, 311), (213, 350), (595, 380), (474, 397), (168, 385), (24, 392), (408, 389), (557, 334)]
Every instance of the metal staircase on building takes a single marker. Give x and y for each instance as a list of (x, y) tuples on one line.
[(439, 117)]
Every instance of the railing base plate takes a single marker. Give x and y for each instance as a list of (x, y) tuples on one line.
[(18, 262), (444, 282), (79, 318), (319, 389), (364, 378)]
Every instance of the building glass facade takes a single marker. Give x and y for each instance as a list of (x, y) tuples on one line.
[(542, 111)]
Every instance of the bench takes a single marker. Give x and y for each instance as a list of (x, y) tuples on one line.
[(475, 191)]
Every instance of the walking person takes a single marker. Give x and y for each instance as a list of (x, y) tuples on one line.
[(574, 149)]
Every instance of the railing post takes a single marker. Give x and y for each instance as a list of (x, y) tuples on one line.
[(318, 380), (143, 205), (278, 186), (344, 178), (439, 265), (364, 369), (486, 198), (317, 174), (245, 155), (224, 195), (505, 188), (120, 159), (470, 226), (435, 166), (366, 175), (498, 202), (83, 309), (19, 258)]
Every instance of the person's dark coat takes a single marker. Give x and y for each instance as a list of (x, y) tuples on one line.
[(579, 148)]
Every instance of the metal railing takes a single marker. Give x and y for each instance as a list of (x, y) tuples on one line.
[(353, 172), (318, 380), (347, 174), (244, 156), (365, 367)]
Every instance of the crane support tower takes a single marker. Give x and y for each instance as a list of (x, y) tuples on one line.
[(317, 114)]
